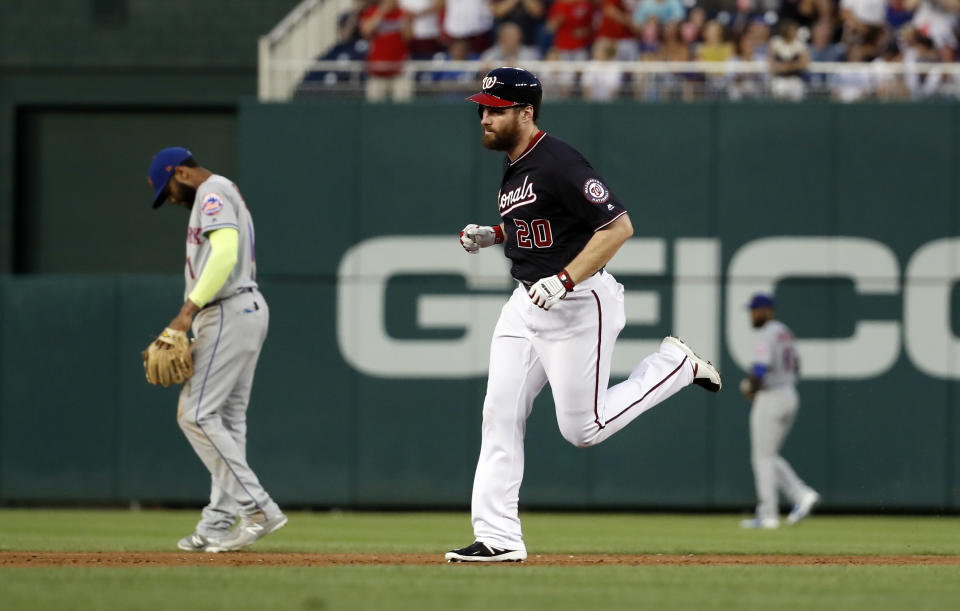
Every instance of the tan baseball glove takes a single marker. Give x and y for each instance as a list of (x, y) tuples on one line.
[(167, 360)]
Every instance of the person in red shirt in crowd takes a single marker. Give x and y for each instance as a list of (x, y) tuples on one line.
[(571, 22), (388, 29), (616, 29)]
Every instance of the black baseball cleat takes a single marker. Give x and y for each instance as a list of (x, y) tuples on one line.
[(705, 374), (481, 552)]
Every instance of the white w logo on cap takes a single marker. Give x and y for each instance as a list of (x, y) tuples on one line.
[(489, 81)]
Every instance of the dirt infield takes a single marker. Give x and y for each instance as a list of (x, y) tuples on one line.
[(127, 559)]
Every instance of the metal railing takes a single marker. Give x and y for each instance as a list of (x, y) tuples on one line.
[(308, 30), (642, 80), (287, 69)]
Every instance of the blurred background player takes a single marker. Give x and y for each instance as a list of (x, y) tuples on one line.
[(229, 318), (771, 386)]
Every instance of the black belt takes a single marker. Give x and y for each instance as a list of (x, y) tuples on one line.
[(529, 284), (246, 289)]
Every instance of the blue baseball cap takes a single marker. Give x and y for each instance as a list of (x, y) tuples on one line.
[(162, 168), (761, 301)]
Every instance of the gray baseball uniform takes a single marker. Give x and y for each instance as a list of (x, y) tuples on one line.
[(771, 417), (229, 333)]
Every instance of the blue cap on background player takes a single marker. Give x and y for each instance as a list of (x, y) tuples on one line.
[(761, 301), (161, 169), (506, 87)]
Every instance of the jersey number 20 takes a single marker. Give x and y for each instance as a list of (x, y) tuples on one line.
[(537, 229)]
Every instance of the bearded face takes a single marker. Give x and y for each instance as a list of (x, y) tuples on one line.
[(501, 128), (760, 316), (181, 193)]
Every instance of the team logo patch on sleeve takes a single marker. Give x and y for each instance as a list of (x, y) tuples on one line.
[(596, 191), (212, 204)]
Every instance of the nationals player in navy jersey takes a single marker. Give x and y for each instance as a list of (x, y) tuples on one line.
[(560, 225)]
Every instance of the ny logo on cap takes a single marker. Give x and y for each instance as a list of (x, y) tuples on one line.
[(489, 81)]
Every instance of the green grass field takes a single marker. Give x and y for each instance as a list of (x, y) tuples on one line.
[(513, 587)]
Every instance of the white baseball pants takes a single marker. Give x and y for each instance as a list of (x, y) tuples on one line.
[(570, 346), (771, 418)]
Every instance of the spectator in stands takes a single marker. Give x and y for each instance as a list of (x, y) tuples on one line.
[(919, 48), (387, 28), (602, 81), (822, 46), (469, 25), (663, 10), (887, 85), (745, 50), (900, 13), (649, 38), (714, 48), (672, 47), (741, 85), (740, 20), (571, 22), (787, 58), (616, 28), (528, 14), (456, 78), (805, 13), (759, 33), (557, 82), (348, 23), (864, 28), (425, 28), (509, 50), (350, 46), (937, 20), (691, 31)]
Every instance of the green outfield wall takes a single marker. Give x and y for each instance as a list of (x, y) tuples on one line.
[(132, 69), (370, 385)]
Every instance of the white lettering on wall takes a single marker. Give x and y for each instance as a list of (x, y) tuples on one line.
[(695, 272), (930, 341), (757, 267)]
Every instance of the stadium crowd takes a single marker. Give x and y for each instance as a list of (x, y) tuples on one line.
[(786, 35)]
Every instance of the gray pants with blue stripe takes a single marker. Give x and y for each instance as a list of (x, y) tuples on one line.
[(213, 407), (771, 419)]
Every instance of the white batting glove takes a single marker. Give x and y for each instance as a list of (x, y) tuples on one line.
[(474, 237), (467, 242), (546, 292)]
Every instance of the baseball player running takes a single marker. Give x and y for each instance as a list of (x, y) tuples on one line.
[(229, 318), (771, 386), (560, 225)]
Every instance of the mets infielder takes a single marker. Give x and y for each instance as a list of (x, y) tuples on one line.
[(560, 225), (772, 387), (229, 318)]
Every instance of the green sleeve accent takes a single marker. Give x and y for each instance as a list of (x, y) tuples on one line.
[(223, 256)]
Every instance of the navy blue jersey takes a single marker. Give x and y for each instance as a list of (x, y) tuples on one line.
[(551, 201)]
